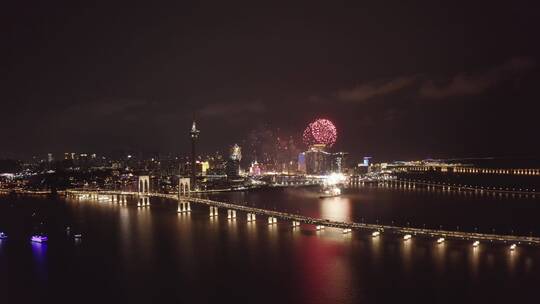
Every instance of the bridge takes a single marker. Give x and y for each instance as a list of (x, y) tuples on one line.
[(320, 223), (408, 183)]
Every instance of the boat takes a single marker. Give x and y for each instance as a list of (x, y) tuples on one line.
[(78, 236), (375, 234), (3, 236), (440, 241), (407, 237), (330, 192), (513, 247), (476, 243), (39, 239)]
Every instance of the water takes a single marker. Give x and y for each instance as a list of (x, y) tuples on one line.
[(153, 254)]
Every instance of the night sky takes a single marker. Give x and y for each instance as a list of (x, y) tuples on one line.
[(401, 80)]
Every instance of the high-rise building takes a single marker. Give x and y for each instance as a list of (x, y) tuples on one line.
[(205, 166), (302, 162), (233, 164), (366, 161), (339, 162), (233, 168), (194, 134), (318, 161)]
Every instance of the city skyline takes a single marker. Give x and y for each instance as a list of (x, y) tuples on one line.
[(242, 151), (408, 82)]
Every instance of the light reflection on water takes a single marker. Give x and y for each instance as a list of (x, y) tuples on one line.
[(512, 259), (336, 208), (440, 257), (39, 251), (183, 251), (407, 247), (232, 230), (475, 260), (376, 249)]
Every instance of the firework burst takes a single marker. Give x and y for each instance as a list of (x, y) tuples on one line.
[(321, 131)]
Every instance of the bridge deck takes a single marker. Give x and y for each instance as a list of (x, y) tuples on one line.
[(336, 224)]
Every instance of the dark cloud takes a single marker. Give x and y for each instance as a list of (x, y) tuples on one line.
[(231, 110), (367, 91), (102, 108), (474, 84)]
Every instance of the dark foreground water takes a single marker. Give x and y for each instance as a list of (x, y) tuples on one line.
[(154, 255)]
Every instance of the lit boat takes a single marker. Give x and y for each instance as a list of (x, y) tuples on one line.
[(440, 240), (330, 192), (476, 243), (375, 234), (513, 247), (78, 236), (39, 239), (3, 236), (407, 237)]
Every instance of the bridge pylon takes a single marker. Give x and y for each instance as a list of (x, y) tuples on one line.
[(213, 211), (144, 201), (183, 207)]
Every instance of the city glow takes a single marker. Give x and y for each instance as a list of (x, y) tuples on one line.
[(335, 178)]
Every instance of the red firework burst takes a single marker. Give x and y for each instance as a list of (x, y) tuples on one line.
[(321, 131)]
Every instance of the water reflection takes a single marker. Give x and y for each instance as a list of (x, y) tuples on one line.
[(528, 264), (512, 258), (232, 228), (125, 235), (325, 275), (407, 254), (39, 251), (251, 228), (376, 249), (475, 260), (440, 257), (336, 208)]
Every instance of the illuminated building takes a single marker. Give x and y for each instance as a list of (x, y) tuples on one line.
[(302, 162), (366, 161), (318, 161), (339, 162), (233, 164), (204, 167), (194, 134), (255, 169)]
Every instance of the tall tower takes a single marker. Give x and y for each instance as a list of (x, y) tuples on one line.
[(194, 133)]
